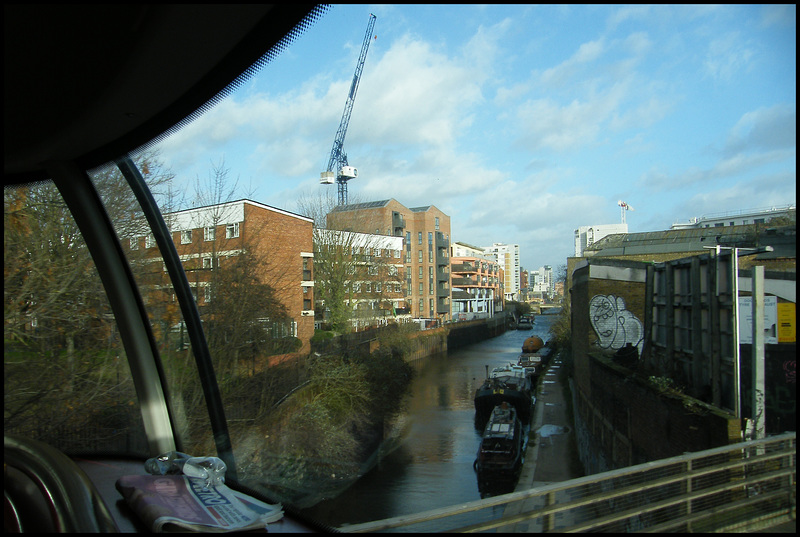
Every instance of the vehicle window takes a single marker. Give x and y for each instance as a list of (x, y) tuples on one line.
[(66, 378)]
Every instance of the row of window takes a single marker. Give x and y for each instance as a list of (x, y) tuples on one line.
[(209, 234), (368, 286)]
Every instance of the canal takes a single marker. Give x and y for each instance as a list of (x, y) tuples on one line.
[(432, 464)]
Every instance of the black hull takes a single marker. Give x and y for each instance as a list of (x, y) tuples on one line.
[(500, 455)]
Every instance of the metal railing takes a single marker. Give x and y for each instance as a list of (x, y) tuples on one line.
[(745, 486)]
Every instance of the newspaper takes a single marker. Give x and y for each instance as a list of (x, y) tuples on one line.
[(179, 503)]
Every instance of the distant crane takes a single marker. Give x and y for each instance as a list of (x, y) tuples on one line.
[(338, 168), (624, 207)]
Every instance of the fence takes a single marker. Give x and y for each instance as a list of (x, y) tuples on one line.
[(744, 486)]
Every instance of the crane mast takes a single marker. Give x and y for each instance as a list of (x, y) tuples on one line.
[(338, 167)]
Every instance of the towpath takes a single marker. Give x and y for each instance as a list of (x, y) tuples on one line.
[(551, 454)]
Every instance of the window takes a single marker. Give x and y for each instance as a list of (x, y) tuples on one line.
[(150, 241), (232, 230), (186, 236), (419, 237), (209, 233)]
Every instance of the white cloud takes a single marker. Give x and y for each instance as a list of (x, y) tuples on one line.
[(764, 129), (727, 56)]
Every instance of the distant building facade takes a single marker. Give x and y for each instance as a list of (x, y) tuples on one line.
[(426, 248), (543, 282), (477, 283), (507, 256), (375, 285), (207, 237), (738, 218), (585, 236)]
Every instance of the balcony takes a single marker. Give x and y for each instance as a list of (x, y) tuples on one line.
[(398, 224), (463, 267)]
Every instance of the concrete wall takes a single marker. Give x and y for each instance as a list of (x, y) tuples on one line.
[(625, 420)]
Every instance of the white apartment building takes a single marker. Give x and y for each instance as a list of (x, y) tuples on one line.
[(507, 256), (542, 281), (585, 236)]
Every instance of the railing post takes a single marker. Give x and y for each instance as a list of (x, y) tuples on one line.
[(689, 494), (548, 522)]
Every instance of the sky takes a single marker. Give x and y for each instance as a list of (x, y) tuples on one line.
[(522, 123)]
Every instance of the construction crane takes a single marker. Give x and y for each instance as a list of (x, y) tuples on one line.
[(624, 207), (338, 167)]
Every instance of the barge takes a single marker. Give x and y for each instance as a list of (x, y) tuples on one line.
[(510, 384), (500, 455)]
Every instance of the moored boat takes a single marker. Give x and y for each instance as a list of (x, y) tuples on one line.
[(532, 344), (532, 364), (500, 454), (510, 384)]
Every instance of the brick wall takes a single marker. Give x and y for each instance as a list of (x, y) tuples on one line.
[(632, 422), (281, 238)]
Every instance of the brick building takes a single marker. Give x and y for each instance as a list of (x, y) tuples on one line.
[(280, 242), (426, 234), (372, 270)]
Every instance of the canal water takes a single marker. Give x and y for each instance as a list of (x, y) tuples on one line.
[(432, 465)]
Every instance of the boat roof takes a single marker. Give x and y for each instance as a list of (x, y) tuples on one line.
[(510, 370), (499, 430), (501, 422)]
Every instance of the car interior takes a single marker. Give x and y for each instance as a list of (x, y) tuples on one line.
[(88, 85)]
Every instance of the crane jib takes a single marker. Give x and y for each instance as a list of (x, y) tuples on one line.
[(338, 159)]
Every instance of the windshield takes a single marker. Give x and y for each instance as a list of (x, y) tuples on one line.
[(396, 170)]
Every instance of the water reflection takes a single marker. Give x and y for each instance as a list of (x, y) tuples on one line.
[(433, 463)]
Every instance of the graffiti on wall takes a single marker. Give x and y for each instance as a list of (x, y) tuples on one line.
[(614, 325)]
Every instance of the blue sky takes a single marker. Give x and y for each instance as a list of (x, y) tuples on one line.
[(522, 123)]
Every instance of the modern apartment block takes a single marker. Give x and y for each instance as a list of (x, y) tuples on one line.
[(542, 282), (426, 248), (477, 283), (507, 256), (280, 242), (372, 272)]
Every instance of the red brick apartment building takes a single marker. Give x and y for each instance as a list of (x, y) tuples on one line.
[(426, 252), (280, 241)]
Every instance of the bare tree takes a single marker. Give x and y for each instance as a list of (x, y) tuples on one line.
[(353, 272), (62, 361)]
